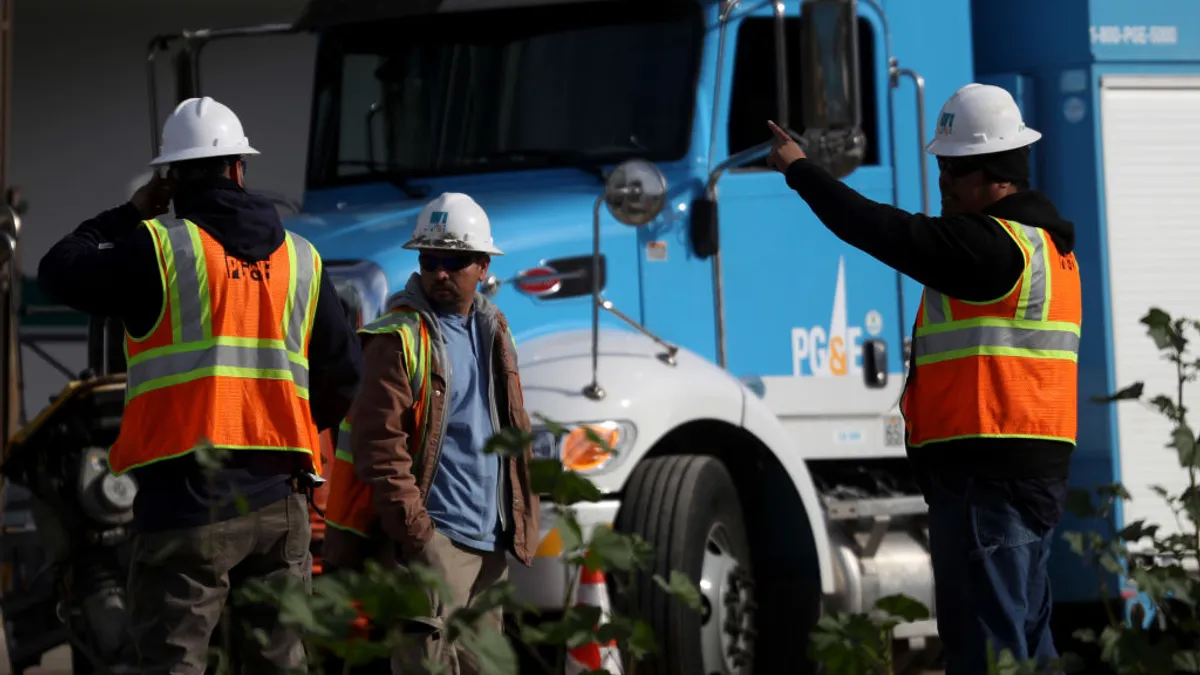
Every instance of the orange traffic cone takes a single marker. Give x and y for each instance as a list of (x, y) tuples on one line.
[(592, 591)]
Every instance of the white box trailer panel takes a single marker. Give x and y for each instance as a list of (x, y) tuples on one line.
[(1150, 128)]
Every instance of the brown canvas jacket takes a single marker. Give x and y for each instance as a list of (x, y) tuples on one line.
[(382, 421)]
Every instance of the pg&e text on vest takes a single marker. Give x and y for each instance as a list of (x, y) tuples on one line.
[(244, 269)]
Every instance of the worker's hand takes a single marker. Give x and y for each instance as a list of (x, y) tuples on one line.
[(153, 198), (786, 149)]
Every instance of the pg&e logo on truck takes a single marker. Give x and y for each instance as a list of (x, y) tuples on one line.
[(835, 350)]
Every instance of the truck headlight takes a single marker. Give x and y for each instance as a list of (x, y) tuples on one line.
[(363, 289), (587, 447)]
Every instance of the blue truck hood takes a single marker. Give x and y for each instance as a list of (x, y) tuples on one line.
[(520, 222)]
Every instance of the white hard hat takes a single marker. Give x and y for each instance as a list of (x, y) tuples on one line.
[(980, 119), (199, 128), (453, 222)]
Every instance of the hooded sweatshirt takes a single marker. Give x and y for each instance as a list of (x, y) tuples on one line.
[(968, 257), (121, 279)]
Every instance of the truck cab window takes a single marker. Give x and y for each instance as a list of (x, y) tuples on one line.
[(558, 86), (754, 98)]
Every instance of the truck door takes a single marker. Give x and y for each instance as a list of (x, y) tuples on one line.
[(799, 303)]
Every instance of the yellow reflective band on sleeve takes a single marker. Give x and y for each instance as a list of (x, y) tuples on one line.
[(343, 455)]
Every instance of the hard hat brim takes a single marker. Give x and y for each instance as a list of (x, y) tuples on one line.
[(200, 153), (423, 245), (944, 147)]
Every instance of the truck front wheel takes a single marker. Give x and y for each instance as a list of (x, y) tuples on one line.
[(687, 508)]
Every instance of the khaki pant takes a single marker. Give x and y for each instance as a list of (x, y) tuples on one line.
[(468, 573), (180, 581)]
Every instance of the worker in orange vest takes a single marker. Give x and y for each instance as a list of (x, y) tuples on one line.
[(234, 336), (411, 482), (990, 397)]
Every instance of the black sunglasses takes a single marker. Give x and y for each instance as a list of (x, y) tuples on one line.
[(452, 262)]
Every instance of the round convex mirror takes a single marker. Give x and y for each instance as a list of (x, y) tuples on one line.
[(636, 192)]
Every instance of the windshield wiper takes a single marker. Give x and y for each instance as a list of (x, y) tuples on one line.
[(571, 158)]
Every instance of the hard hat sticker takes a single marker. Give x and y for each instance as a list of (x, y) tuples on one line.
[(438, 220), (945, 124)]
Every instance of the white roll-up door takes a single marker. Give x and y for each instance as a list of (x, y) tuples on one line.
[(1151, 154)]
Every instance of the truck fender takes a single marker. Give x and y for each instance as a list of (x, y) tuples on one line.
[(656, 398), (758, 419)]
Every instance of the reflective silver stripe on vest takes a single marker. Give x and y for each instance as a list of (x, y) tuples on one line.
[(1037, 283), (1003, 337), (189, 261), (187, 280), (218, 356), (305, 269)]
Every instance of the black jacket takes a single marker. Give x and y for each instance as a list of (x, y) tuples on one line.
[(108, 267), (968, 257)]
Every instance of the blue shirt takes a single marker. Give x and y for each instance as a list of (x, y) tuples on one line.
[(463, 498)]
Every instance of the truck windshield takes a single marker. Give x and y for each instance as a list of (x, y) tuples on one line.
[(568, 85)]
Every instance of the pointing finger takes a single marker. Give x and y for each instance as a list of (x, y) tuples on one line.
[(779, 133)]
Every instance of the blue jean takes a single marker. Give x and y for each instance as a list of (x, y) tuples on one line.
[(990, 571)]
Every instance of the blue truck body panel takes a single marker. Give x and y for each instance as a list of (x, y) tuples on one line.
[(1061, 49)]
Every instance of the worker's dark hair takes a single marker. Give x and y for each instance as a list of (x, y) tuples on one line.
[(1010, 166), (204, 169)]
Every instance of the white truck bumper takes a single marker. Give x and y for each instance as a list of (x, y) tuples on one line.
[(546, 585)]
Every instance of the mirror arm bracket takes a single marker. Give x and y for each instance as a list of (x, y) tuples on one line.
[(667, 357), (593, 390), (718, 276)]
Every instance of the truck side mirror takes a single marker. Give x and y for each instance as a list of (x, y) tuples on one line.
[(829, 78), (875, 368), (704, 230)]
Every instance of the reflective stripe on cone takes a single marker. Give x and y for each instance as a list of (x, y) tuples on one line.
[(592, 591)]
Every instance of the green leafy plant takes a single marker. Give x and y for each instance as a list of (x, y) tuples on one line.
[(393, 598), (861, 644), (1161, 564)]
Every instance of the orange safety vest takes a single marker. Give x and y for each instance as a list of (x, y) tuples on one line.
[(349, 507), (1004, 368), (227, 360)]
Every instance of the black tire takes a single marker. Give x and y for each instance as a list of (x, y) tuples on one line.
[(674, 503)]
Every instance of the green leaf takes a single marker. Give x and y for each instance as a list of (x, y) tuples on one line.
[(543, 475), (1186, 661), (1133, 391), (210, 458), (570, 531), (1086, 635), (682, 588), (903, 607), (1165, 406), (553, 427), (1079, 503), (492, 650), (1075, 541), (1114, 490), (1137, 531), (294, 610), (1160, 329), (572, 488), (508, 442), (641, 642), (1184, 442), (608, 550)]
